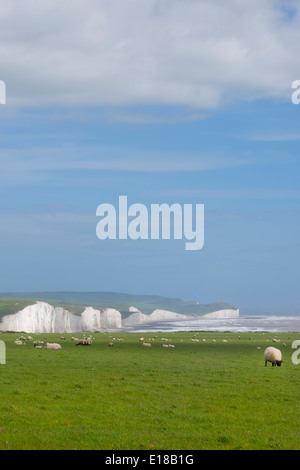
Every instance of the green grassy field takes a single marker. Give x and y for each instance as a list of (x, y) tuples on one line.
[(198, 395)]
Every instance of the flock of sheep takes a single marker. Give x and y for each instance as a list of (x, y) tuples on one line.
[(271, 354), (44, 344)]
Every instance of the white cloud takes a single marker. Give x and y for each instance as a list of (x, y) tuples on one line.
[(123, 52), (51, 165)]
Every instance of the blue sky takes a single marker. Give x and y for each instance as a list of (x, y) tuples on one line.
[(174, 102)]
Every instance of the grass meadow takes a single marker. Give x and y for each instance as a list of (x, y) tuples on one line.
[(198, 395)]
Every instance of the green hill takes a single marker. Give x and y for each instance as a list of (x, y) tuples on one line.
[(76, 301)]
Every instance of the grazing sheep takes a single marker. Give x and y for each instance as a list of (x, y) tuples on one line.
[(165, 345), (273, 355), (148, 345), (18, 342), (142, 339), (276, 340), (110, 345), (52, 346), (84, 342)]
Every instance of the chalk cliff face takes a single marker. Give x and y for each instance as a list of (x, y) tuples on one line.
[(41, 318), (138, 318), (226, 313), (44, 318), (111, 319), (90, 319)]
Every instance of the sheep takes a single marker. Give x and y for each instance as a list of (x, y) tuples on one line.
[(273, 355), (84, 342), (147, 344), (52, 346), (276, 340), (18, 342), (110, 345), (165, 345)]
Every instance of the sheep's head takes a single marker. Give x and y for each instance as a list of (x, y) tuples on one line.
[(278, 363)]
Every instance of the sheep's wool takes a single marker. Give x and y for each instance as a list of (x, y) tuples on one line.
[(272, 354)]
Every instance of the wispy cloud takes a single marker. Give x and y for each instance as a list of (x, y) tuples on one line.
[(40, 165), (231, 193), (279, 136), (125, 52)]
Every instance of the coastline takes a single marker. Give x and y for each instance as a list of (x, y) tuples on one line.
[(244, 323)]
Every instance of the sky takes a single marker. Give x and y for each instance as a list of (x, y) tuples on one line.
[(164, 101)]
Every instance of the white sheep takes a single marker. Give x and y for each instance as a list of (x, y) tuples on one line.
[(147, 345), (273, 355), (52, 346)]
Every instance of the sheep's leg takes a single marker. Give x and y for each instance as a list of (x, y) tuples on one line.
[(266, 363)]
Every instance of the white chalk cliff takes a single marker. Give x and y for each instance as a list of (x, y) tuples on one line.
[(138, 318), (42, 317), (226, 313)]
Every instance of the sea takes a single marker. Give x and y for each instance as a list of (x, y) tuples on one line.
[(244, 323)]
